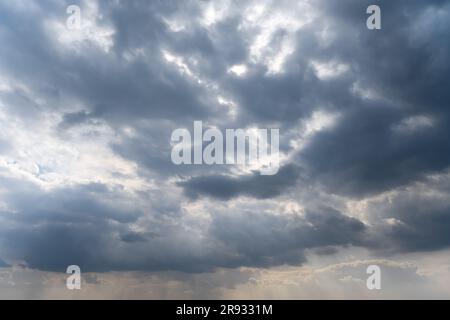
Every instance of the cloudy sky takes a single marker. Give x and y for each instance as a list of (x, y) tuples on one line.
[(86, 177)]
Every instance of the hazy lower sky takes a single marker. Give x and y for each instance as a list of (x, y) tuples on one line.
[(86, 176)]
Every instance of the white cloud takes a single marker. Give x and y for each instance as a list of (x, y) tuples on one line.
[(329, 70)]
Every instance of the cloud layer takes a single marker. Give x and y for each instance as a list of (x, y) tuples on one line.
[(86, 118)]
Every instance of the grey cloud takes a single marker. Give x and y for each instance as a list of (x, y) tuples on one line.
[(136, 237), (255, 185), (50, 230), (74, 118), (412, 221), (80, 204), (408, 87), (50, 237), (261, 239), (109, 85), (363, 154), (404, 69)]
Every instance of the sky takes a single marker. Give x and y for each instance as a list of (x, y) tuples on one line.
[(86, 177)]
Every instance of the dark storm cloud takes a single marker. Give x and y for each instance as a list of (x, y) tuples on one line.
[(414, 220), (89, 226), (50, 230), (364, 154), (89, 203), (51, 238), (407, 65), (74, 118), (133, 237), (376, 145), (107, 84), (255, 185), (260, 239), (419, 228), (150, 147)]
